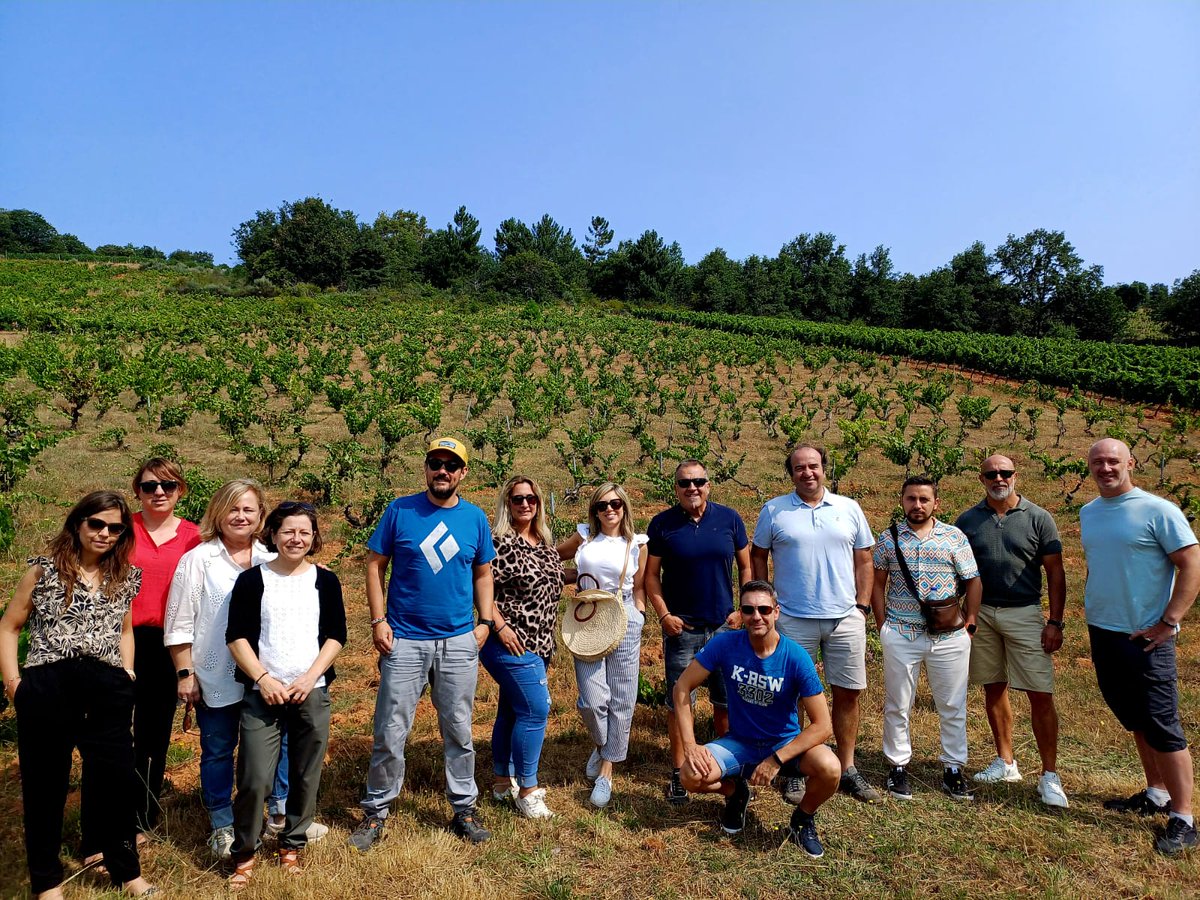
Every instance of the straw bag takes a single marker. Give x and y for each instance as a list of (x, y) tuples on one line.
[(595, 620)]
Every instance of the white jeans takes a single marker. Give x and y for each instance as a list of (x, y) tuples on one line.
[(947, 664)]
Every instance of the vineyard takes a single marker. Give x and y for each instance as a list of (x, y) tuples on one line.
[(331, 397)]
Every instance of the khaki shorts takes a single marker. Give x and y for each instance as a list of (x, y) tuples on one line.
[(842, 644), (1007, 647)]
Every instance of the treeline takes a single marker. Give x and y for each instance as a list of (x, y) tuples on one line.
[(1035, 285), (27, 233)]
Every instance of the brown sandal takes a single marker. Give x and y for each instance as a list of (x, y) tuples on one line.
[(242, 873), (289, 861)]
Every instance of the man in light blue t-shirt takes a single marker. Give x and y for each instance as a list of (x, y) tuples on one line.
[(1143, 576), (440, 550), (821, 547), (768, 680)]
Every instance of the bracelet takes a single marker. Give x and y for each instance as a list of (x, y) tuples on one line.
[(778, 761), (501, 628), (375, 622), (1174, 628), (664, 615), (261, 677)]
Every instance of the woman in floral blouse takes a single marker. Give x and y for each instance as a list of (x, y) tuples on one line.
[(529, 580), (77, 689)]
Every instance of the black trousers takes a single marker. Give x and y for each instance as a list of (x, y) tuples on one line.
[(62, 705), (155, 699)]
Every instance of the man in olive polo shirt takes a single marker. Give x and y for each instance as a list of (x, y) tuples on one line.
[(1013, 540)]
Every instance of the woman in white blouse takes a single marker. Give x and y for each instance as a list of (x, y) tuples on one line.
[(194, 631), (604, 549)]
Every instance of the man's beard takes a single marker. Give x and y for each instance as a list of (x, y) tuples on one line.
[(443, 490), (917, 516), (1000, 493)]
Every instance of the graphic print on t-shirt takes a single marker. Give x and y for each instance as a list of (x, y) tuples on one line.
[(448, 548), (756, 687)]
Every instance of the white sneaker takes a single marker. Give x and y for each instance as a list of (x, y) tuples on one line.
[(1051, 791), (220, 842), (315, 832), (998, 770), (601, 793), (534, 805), (509, 793), (592, 769)]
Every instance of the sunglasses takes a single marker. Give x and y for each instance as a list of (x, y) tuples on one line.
[(764, 611), (433, 464), (96, 524), (288, 505), (602, 505), (149, 487), (993, 474), (688, 482), (523, 499)]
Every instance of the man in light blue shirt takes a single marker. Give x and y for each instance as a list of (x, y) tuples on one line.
[(821, 546), (1143, 576)]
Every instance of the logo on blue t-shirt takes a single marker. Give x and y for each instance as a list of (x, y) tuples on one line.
[(755, 687), (435, 554)]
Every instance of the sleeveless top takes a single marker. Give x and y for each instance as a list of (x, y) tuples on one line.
[(89, 627)]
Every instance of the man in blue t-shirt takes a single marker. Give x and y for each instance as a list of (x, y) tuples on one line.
[(768, 679), (423, 625), (1143, 576), (697, 542)]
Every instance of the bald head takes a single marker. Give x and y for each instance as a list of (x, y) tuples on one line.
[(998, 475), (1111, 465)]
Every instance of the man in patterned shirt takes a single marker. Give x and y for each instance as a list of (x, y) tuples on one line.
[(941, 564)]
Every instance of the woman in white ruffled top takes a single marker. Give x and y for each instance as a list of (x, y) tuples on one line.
[(605, 548)]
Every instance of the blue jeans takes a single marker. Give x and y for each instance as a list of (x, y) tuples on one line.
[(521, 714), (219, 728), (679, 651)]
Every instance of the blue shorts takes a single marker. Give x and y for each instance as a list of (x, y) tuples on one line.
[(740, 758), (1141, 689), (678, 653)]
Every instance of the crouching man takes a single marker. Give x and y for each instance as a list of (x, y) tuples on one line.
[(768, 679)]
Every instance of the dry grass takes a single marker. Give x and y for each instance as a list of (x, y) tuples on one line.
[(1005, 844)]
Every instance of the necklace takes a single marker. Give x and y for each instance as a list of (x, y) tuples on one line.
[(90, 580)]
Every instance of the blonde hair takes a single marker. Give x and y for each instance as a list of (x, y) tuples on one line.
[(594, 530), (503, 527), (223, 501)]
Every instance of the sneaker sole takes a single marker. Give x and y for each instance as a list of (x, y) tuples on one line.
[(1004, 780), (898, 795), (962, 798)]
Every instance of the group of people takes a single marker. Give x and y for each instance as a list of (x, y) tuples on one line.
[(131, 613)]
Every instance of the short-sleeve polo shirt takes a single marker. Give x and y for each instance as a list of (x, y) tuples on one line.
[(697, 560)]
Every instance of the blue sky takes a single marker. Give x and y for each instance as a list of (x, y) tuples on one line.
[(919, 126)]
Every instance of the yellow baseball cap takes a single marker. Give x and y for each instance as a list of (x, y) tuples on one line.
[(450, 445)]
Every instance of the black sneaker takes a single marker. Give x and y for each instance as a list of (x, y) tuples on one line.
[(803, 833), (1178, 837), (792, 790), (364, 837), (955, 785), (466, 825), (675, 793), (1139, 803), (733, 819), (897, 783), (856, 786)]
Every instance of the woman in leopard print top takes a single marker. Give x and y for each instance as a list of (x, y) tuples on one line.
[(77, 690), (529, 580)]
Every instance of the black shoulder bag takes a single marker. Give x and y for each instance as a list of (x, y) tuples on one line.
[(941, 616)]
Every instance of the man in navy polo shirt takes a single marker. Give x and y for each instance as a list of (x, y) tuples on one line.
[(440, 550), (698, 542)]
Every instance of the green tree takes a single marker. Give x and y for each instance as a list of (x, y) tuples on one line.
[(306, 241), (763, 297), (512, 237), (1132, 295), (934, 302), (874, 291), (995, 305), (813, 276), (24, 231), (599, 237), (1179, 311), (717, 284), (647, 269), (402, 233), (191, 257), (530, 276), (453, 254), (1048, 276)]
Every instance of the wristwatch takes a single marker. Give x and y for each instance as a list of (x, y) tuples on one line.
[(490, 623), (972, 628), (183, 673), (1056, 623), (865, 610)]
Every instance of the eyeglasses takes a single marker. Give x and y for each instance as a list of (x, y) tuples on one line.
[(688, 482), (434, 464), (602, 505), (149, 487), (116, 529), (993, 474), (764, 611), (523, 499)]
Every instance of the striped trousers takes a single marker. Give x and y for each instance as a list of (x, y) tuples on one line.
[(608, 690)]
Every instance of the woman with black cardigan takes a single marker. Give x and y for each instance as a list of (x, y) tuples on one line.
[(286, 625)]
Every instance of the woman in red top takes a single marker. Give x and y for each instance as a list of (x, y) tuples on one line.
[(160, 540)]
